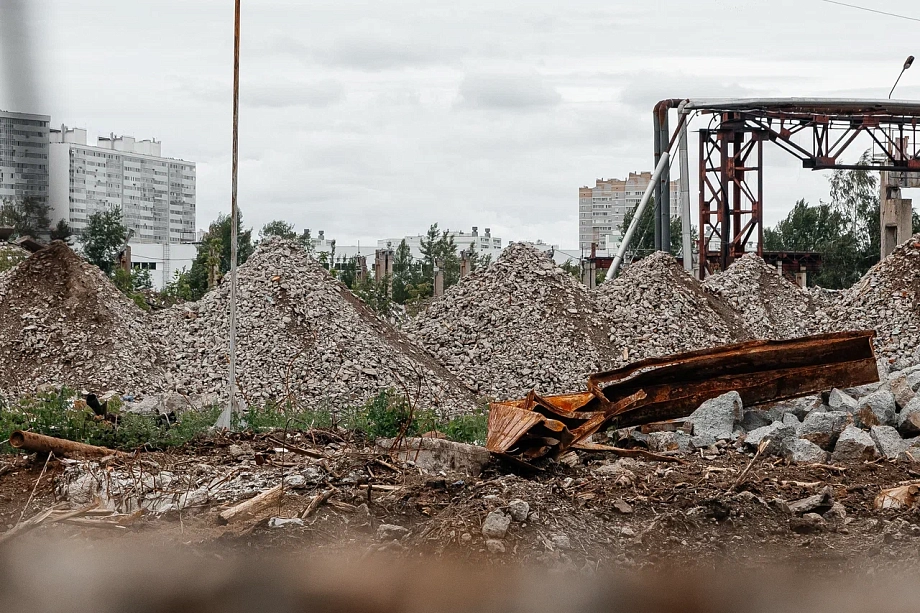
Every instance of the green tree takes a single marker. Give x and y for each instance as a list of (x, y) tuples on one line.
[(278, 228), (28, 215), (643, 241), (438, 246), (103, 239), (62, 232), (402, 272), (212, 260), (573, 268)]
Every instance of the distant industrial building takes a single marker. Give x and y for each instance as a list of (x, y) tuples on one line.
[(156, 194), (602, 208), (485, 244), (23, 155)]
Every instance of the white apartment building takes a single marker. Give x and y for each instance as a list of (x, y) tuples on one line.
[(23, 155), (601, 208), (162, 260), (156, 194), (485, 244)]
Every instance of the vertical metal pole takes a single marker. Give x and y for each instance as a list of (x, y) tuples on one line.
[(231, 407), (659, 147), (664, 184), (686, 246)]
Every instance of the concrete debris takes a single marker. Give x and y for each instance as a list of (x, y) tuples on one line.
[(888, 442), (801, 451), (854, 445), (656, 308), (496, 525), (389, 532), (809, 523), (519, 510), (877, 409), (303, 337), (770, 305), (495, 546), (285, 522), (824, 427), (842, 401), (717, 417), (62, 321), (909, 418), (902, 389), (821, 503), (436, 455), (886, 300)]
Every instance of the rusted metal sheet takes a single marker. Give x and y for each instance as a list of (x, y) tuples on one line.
[(661, 389)]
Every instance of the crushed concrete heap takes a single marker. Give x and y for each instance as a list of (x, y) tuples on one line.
[(302, 337), (63, 322), (770, 305), (656, 308), (887, 300), (522, 323)]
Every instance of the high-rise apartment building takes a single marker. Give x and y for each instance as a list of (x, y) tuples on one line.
[(23, 155), (601, 208), (156, 194)]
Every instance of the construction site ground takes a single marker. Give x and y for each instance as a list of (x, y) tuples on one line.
[(587, 517)]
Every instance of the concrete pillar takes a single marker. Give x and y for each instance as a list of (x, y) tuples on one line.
[(383, 266), (589, 273), (438, 278), (361, 268), (465, 263), (801, 277), (895, 214)]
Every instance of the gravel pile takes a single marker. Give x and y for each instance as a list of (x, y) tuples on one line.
[(63, 322), (519, 324), (887, 299), (302, 336), (656, 308), (770, 305)]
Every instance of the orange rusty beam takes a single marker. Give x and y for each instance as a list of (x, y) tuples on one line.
[(660, 389)]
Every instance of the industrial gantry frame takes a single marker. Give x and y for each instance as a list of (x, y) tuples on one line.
[(817, 131)]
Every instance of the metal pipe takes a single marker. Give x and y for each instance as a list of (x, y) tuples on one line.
[(640, 209), (686, 245), (224, 420), (663, 199), (659, 146), (821, 105)]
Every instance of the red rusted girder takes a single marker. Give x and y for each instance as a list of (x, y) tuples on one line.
[(672, 387)]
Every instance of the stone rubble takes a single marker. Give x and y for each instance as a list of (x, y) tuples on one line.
[(62, 321), (770, 305), (887, 300), (303, 338), (520, 324), (655, 308)]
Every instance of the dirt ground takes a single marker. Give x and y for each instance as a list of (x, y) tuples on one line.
[(586, 517)]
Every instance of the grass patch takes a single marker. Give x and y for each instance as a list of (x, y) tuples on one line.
[(386, 415), (54, 414)]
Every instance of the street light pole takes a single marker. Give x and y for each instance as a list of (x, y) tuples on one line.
[(907, 64), (231, 408)]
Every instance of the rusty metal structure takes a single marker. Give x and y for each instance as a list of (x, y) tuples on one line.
[(816, 131), (660, 389)]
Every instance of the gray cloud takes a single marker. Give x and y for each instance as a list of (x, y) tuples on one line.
[(506, 92)]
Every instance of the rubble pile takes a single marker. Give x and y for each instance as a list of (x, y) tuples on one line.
[(887, 300), (303, 338), (770, 305), (655, 308), (522, 323), (63, 322)]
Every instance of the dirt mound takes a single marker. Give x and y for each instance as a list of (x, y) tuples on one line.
[(770, 305), (519, 324), (886, 299), (303, 337), (63, 322), (655, 308)]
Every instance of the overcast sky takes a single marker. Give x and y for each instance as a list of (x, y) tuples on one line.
[(375, 119)]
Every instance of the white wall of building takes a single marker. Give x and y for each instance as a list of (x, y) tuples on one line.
[(163, 260), (483, 242), (157, 195)]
